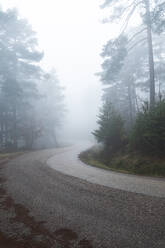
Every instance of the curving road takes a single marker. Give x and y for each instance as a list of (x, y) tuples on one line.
[(68, 163), (41, 207)]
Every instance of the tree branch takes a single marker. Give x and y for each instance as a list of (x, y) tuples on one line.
[(123, 28), (136, 34), (137, 43)]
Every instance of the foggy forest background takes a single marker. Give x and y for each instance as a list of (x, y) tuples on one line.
[(32, 100)]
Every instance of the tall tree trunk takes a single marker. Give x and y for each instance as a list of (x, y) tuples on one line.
[(6, 129), (130, 103), (150, 53), (55, 138), (131, 100), (2, 145), (15, 141)]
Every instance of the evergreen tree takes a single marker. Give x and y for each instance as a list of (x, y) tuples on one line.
[(148, 134), (111, 128), (19, 57), (128, 83), (152, 15)]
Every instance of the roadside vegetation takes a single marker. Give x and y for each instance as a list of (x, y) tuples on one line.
[(128, 162), (131, 123), (139, 151)]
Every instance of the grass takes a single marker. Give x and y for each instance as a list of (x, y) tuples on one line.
[(5, 157), (130, 162)]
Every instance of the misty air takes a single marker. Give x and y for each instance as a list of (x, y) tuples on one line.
[(82, 124)]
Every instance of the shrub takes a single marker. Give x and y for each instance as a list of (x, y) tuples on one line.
[(149, 131)]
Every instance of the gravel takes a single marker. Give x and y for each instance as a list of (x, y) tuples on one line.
[(64, 211)]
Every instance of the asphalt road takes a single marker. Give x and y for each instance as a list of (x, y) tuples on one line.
[(43, 207)]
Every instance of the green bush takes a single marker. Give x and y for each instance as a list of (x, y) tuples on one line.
[(148, 133), (111, 129)]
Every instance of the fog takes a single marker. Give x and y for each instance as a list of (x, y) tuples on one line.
[(82, 123), (71, 35)]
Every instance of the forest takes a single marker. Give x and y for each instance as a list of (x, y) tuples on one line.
[(131, 123), (31, 99), (82, 124)]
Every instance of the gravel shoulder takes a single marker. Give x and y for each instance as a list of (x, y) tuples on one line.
[(42, 207)]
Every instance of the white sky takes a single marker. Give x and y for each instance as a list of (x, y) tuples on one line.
[(71, 35)]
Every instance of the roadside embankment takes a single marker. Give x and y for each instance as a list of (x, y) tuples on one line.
[(130, 162)]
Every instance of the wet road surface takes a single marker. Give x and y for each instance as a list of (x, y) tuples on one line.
[(46, 208)]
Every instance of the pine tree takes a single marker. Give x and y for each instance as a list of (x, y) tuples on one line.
[(111, 128), (152, 15), (18, 58)]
